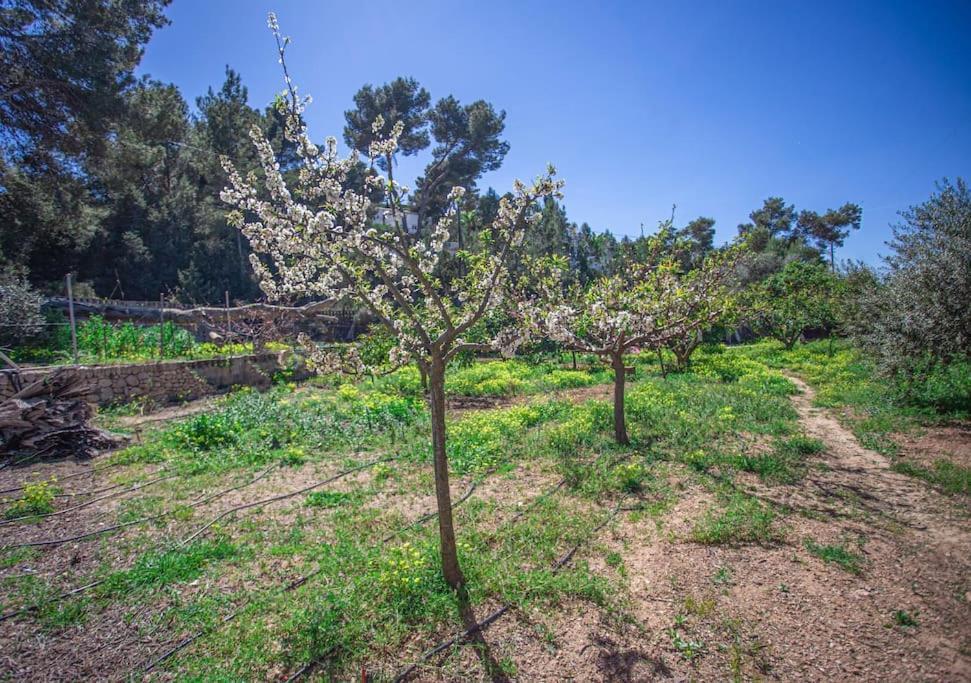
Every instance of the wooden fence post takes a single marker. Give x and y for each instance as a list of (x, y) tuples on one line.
[(70, 310), (161, 326)]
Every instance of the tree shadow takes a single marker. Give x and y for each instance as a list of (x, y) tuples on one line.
[(474, 636)]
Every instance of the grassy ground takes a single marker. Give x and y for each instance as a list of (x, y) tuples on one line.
[(880, 420), (291, 527)]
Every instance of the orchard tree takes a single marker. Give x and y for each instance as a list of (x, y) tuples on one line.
[(647, 306), (320, 241), (800, 296)]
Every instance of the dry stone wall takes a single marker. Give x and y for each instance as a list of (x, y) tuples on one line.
[(163, 381)]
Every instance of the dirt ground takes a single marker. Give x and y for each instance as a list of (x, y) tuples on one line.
[(693, 612), (775, 612)]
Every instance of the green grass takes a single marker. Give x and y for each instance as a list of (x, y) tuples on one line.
[(943, 474), (502, 378), (905, 619), (873, 409), (250, 429), (371, 600), (159, 568), (839, 555), (370, 597), (484, 439), (845, 381), (742, 520), (330, 499)]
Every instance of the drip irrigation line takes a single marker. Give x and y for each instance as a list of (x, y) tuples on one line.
[(93, 470), (198, 501), (81, 589), (92, 492), (279, 497), (88, 502), (309, 666), (293, 585), (300, 581), (489, 620)]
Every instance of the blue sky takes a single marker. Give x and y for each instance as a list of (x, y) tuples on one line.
[(711, 106)]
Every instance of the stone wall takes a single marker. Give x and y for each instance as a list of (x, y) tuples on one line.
[(162, 381)]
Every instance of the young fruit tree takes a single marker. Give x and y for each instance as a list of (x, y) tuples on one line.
[(319, 240), (800, 296), (648, 306)]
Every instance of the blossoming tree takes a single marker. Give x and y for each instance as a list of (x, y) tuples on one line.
[(648, 306), (320, 240)]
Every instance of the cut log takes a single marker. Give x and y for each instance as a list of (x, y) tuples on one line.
[(49, 419)]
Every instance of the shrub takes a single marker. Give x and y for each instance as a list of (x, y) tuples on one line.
[(496, 378), (917, 323), (20, 317)]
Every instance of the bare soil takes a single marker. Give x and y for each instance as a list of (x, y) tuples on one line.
[(691, 611), (772, 612)]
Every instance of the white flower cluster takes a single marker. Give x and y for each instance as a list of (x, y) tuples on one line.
[(647, 306), (320, 240)]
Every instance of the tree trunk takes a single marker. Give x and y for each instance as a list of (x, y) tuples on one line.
[(680, 359), (620, 423), (446, 530), (423, 371)]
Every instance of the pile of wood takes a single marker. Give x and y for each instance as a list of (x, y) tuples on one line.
[(50, 419)]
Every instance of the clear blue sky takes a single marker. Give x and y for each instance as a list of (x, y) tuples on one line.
[(712, 106)]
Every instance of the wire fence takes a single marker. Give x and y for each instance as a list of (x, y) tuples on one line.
[(89, 331)]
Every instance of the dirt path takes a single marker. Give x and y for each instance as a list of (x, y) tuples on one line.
[(864, 478), (776, 611)]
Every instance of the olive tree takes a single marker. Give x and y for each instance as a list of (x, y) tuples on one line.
[(649, 305), (320, 240), (919, 316), (20, 309)]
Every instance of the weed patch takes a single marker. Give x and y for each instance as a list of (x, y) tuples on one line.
[(838, 555), (743, 520), (37, 499)]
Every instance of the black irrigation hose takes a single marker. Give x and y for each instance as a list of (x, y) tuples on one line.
[(279, 497), (93, 470), (306, 668), (199, 501), (293, 585), (86, 503), (80, 537), (296, 583), (478, 627), (90, 492)]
